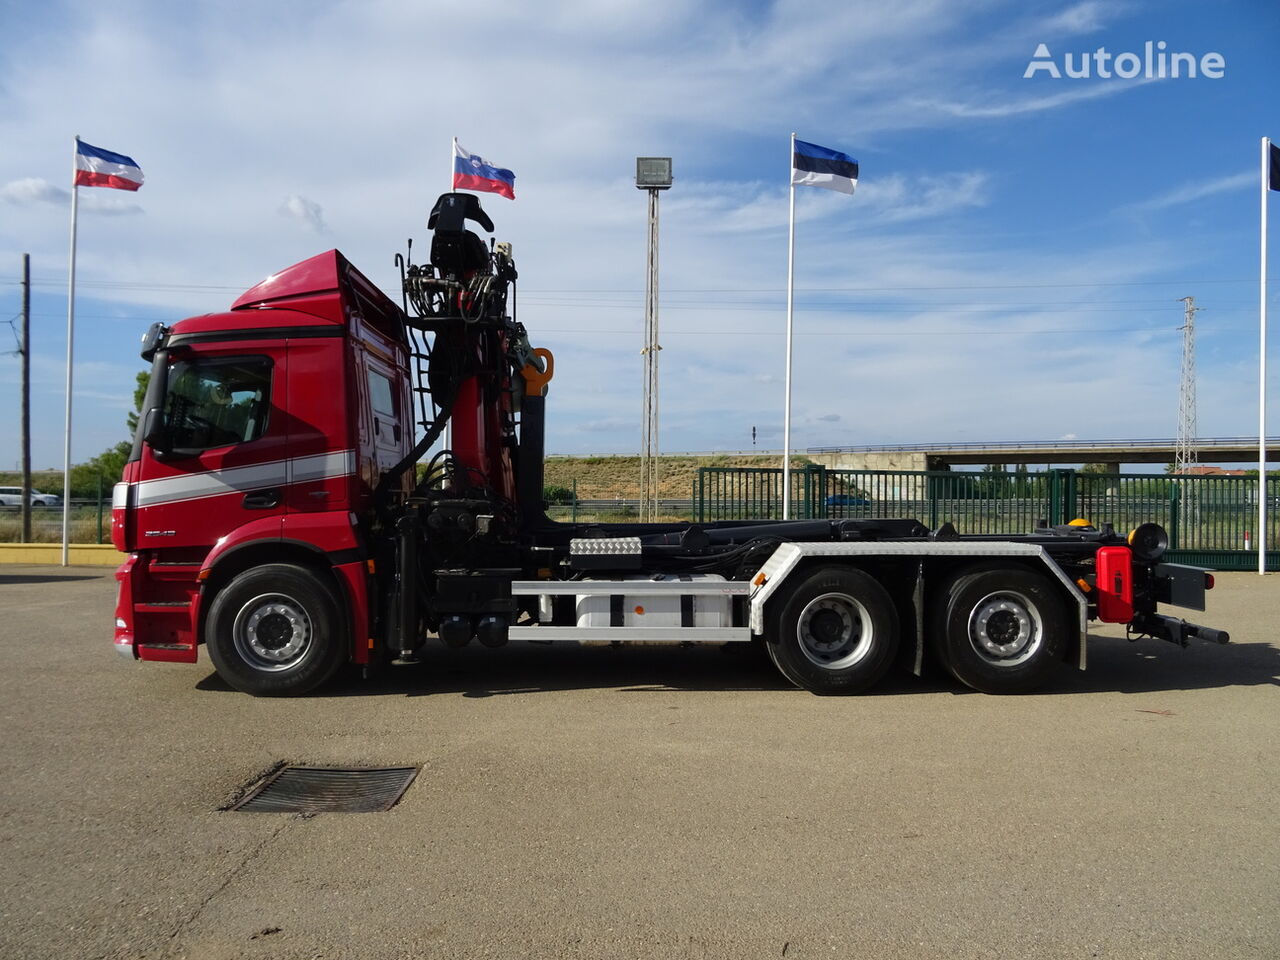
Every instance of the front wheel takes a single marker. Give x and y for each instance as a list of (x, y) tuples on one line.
[(1001, 630), (836, 633), (276, 630)]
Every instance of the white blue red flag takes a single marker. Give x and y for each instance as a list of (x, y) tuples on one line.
[(817, 166), (96, 167), (471, 172)]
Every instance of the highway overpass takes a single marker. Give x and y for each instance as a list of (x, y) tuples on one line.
[(940, 456)]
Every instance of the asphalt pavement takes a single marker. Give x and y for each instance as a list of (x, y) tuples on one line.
[(640, 803)]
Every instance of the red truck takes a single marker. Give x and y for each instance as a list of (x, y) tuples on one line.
[(275, 509)]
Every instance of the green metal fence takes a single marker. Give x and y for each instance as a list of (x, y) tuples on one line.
[(1211, 520)]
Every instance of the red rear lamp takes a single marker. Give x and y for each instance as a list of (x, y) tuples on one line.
[(1208, 581), (1114, 583)]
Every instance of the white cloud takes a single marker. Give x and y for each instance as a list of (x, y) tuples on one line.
[(896, 199), (1016, 106), (572, 95), (33, 191), (1083, 17), (30, 190), (1197, 190), (305, 211)]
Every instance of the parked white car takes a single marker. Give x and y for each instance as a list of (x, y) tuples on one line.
[(11, 498)]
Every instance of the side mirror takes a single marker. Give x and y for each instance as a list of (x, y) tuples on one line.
[(153, 340), (153, 430)]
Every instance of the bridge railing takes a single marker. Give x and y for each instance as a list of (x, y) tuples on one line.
[(1014, 445)]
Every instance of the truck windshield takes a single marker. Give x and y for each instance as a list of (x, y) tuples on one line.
[(216, 402)]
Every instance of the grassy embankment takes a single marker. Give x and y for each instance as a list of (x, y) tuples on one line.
[(609, 478)]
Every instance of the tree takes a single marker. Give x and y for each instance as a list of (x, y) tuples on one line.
[(994, 482), (556, 494), (101, 472), (143, 380)]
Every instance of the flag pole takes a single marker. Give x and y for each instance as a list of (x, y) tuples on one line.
[(71, 325), (791, 265), (1262, 364), (446, 435)]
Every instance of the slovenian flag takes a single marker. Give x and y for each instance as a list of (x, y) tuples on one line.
[(817, 166), (476, 173), (96, 167)]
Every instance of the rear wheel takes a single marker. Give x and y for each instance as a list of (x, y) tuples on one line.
[(836, 633), (1001, 630), (276, 630)]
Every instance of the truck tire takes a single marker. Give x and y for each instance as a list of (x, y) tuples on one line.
[(1001, 630), (836, 633), (276, 630)]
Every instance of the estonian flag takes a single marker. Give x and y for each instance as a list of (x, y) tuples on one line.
[(1274, 180), (819, 167)]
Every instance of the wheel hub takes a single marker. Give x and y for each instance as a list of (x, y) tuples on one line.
[(272, 632), (828, 626), (834, 630), (1005, 628)]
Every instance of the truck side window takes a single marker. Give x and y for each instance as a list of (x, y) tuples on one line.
[(217, 402), (380, 394)]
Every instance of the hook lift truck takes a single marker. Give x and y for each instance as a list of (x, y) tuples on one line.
[(273, 509)]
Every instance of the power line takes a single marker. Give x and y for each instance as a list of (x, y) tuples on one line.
[(17, 339), (179, 287)]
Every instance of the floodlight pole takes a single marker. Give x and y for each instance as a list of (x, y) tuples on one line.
[(649, 429), (653, 174)]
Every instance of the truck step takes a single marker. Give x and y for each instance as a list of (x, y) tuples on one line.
[(173, 571), (163, 606), (672, 635)]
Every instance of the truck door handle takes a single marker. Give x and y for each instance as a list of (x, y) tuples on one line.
[(262, 499), (395, 432)]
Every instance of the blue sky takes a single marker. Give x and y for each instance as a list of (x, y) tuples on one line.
[(1008, 269)]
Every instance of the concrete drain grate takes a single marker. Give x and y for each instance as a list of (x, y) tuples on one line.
[(328, 790)]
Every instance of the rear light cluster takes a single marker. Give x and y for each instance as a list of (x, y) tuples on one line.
[(1114, 584)]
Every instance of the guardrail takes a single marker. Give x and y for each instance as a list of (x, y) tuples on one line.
[(89, 522), (1212, 516)]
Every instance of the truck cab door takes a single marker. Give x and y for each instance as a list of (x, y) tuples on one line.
[(219, 461)]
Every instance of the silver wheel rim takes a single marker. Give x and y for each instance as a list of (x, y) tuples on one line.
[(272, 632), (1005, 628), (835, 631)]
